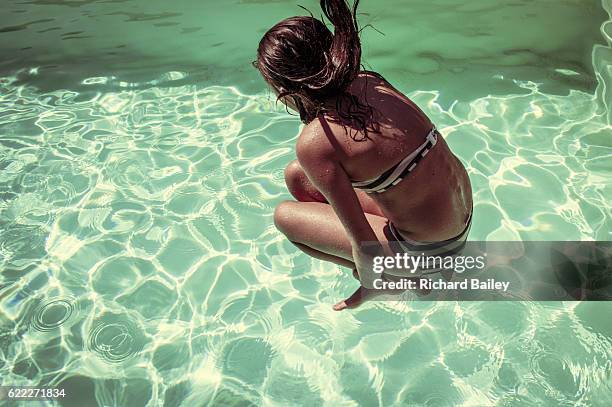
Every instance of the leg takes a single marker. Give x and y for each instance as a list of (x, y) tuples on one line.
[(324, 256), (302, 190), (316, 226)]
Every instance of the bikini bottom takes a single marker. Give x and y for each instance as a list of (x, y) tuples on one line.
[(432, 253)]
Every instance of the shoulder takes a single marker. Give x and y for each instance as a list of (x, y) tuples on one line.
[(313, 145), (369, 83), (370, 76)]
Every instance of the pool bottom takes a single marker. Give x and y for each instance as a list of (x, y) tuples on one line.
[(140, 264)]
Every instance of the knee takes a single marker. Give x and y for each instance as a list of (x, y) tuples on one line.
[(283, 218), (299, 186), (294, 175)]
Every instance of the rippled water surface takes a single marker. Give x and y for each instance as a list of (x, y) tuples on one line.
[(141, 159)]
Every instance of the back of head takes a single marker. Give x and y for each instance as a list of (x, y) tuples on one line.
[(302, 60)]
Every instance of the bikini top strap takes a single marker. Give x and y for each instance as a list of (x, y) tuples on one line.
[(432, 136)]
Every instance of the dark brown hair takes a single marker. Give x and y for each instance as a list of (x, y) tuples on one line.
[(302, 60)]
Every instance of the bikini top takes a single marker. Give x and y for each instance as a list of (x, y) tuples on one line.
[(401, 170)]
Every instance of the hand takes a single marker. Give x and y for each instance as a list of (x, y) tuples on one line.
[(363, 266), (357, 298), (364, 274), (363, 295)]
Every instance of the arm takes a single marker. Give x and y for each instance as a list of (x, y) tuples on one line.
[(320, 162)]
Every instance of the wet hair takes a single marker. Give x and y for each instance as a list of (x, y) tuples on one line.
[(302, 60)]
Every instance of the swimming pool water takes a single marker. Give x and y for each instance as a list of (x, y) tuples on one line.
[(141, 159)]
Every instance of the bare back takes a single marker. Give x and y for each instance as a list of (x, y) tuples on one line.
[(433, 202)]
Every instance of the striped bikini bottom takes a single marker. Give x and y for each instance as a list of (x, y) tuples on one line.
[(449, 247)]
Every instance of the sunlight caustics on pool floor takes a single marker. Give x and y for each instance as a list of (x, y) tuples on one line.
[(139, 264)]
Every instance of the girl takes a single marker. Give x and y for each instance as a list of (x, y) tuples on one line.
[(371, 167)]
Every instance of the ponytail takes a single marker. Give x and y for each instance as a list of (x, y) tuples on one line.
[(345, 52)]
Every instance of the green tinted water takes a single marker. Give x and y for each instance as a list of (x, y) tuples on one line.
[(141, 158)]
